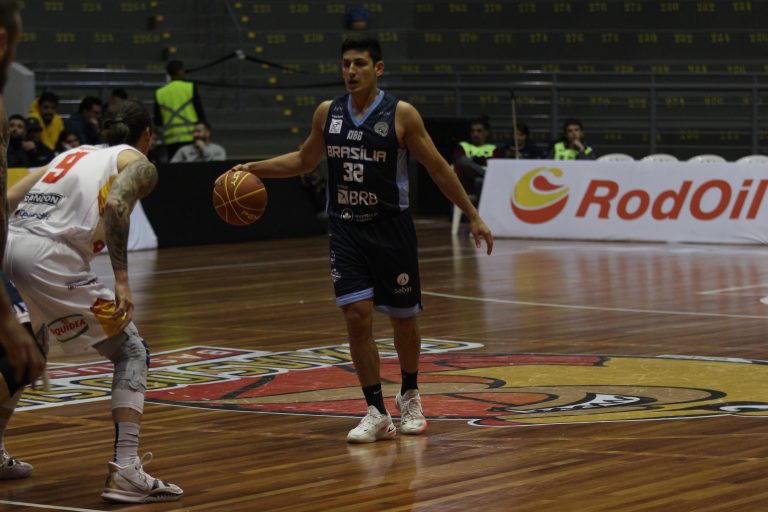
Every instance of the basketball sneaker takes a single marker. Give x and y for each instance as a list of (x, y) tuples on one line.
[(373, 427), (412, 420), (131, 484), (12, 469)]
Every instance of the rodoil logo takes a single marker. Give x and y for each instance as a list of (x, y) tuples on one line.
[(536, 199)]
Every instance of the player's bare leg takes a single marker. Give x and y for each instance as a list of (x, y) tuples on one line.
[(377, 423), (10, 468), (127, 482), (364, 352), (10, 394), (408, 401)]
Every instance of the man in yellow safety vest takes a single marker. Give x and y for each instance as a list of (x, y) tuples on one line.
[(177, 109)]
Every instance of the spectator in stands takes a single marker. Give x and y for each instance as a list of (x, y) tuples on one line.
[(524, 147), (572, 146), (157, 152), (44, 109), (39, 154), (67, 141), (116, 98), (18, 145), (202, 149), (177, 109), (86, 122), (470, 158)]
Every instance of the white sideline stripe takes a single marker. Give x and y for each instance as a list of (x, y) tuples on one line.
[(592, 308), (47, 507), (733, 288)]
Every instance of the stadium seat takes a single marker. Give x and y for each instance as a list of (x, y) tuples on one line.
[(659, 158), (753, 159), (456, 221), (707, 159), (615, 157)]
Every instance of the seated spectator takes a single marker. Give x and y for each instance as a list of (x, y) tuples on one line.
[(158, 153), (470, 158), (39, 154), (44, 109), (202, 149), (86, 122), (17, 144), (572, 146), (116, 97), (67, 141), (525, 147)]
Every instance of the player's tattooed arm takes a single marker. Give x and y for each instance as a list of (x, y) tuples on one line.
[(137, 179)]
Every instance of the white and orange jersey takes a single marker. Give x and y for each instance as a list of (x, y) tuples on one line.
[(67, 204)]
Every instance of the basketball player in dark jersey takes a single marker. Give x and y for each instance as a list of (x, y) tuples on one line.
[(365, 136)]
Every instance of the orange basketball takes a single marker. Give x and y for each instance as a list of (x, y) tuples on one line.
[(239, 197)]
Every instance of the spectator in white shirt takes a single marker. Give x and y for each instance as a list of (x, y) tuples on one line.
[(202, 149)]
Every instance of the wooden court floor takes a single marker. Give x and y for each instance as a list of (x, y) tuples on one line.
[(558, 376)]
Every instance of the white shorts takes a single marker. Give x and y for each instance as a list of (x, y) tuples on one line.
[(61, 291)]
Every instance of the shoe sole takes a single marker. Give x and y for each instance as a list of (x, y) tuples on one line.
[(379, 437), (409, 432), (14, 477), (114, 496)]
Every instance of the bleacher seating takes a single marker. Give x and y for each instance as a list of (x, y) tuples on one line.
[(707, 158), (659, 158), (753, 159), (682, 78), (615, 157)]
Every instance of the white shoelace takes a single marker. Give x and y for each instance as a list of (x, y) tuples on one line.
[(412, 409), (370, 422)]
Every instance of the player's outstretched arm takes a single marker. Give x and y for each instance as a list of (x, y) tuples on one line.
[(419, 143), (137, 177), (298, 162)]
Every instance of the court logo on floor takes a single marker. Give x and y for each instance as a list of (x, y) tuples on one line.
[(483, 389)]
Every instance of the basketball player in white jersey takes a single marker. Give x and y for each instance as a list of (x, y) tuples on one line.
[(82, 202), (21, 360)]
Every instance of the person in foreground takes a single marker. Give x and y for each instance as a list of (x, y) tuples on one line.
[(365, 136), (21, 360), (67, 212)]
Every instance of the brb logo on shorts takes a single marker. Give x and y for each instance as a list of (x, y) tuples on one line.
[(536, 199)]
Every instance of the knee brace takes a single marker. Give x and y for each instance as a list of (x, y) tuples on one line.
[(130, 355)]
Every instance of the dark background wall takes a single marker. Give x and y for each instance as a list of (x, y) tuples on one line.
[(678, 76), (181, 212)]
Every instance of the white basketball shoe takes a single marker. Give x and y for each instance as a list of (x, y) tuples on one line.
[(373, 427), (131, 484), (12, 469), (412, 420)]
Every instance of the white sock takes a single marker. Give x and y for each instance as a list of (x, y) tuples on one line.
[(126, 443)]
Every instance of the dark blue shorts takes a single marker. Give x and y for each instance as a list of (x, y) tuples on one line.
[(17, 303), (379, 261)]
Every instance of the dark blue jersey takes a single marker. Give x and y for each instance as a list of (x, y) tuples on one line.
[(367, 169)]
